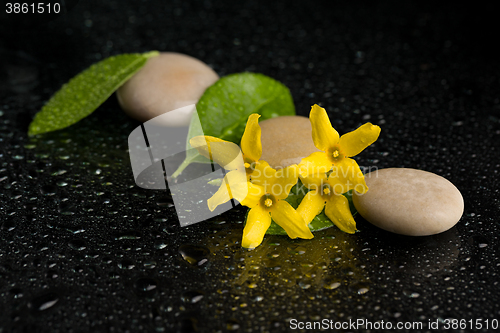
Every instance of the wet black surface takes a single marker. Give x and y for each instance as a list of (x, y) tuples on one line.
[(84, 249)]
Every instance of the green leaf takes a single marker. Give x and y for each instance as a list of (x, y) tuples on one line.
[(320, 222), (225, 106), (86, 91)]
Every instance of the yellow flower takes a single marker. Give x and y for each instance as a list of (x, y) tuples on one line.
[(225, 154), (336, 151), (326, 192), (255, 185), (265, 198)]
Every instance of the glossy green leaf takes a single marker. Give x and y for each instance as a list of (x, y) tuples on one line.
[(86, 91), (225, 106)]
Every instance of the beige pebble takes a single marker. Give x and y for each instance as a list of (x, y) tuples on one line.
[(410, 202), (286, 140), (167, 82)]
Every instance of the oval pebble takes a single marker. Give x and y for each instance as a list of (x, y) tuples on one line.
[(286, 140), (409, 202), (167, 82)]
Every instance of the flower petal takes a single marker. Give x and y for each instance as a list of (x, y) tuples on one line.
[(262, 173), (353, 143), (226, 154), (220, 197), (288, 218), (250, 141), (310, 206), (314, 181), (258, 221), (337, 210), (234, 186), (346, 175), (252, 198), (283, 181), (316, 163), (323, 134), (201, 143)]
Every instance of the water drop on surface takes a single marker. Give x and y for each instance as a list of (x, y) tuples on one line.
[(48, 190), (192, 296), (258, 298), (331, 285), (360, 288), (195, 255), (160, 244), (146, 286), (17, 292), (9, 225), (128, 235), (126, 264), (362, 291), (44, 302), (75, 229), (232, 325), (77, 244), (150, 264)]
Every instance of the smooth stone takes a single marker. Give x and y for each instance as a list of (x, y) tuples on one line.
[(286, 140), (409, 202), (165, 83)]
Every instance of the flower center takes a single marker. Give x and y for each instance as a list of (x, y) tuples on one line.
[(336, 155), (327, 190), (267, 201), (249, 165)]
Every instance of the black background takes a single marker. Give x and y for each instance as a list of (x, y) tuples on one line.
[(83, 249)]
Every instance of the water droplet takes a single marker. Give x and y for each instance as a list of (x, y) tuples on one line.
[(75, 229), (126, 264), (67, 208), (363, 290), (17, 292), (150, 264), (146, 286), (128, 235), (16, 195), (360, 288), (195, 255), (48, 190), (44, 302), (232, 325), (192, 296), (331, 285), (411, 294), (160, 244), (59, 172), (77, 244), (298, 250), (9, 225)]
